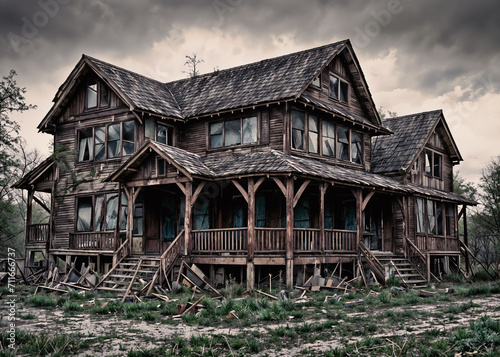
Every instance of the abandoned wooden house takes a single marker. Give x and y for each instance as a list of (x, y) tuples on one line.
[(272, 166)]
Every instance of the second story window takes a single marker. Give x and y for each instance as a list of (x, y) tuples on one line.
[(98, 95), (433, 163), (339, 89), (242, 131), (328, 138), (106, 142), (100, 212), (164, 134)]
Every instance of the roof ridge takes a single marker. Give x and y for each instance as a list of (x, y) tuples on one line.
[(414, 114)]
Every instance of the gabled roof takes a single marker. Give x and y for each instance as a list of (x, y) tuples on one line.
[(272, 80), (396, 153), (32, 176)]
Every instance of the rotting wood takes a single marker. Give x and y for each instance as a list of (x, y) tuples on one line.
[(161, 297), (423, 293), (266, 294), (189, 309)]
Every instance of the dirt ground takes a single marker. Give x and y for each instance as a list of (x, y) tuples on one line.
[(121, 335)]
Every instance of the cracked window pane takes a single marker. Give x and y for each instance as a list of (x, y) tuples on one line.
[(104, 96), (111, 210), (328, 138), (431, 217), (123, 212), (216, 135), (334, 87), (232, 134), (100, 138), (92, 95), (343, 143), (114, 140), (298, 129), (99, 211), (313, 134), (84, 214), (357, 147)]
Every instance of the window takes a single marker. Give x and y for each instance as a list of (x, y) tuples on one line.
[(343, 146), (138, 215), (98, 95), (298, 129), (357, 147), (110, 141), (431, 217), (317, 81), (420, 215), (160, 166), (241, 131), (313, 134), (100, 212), (434, 212), (164, 134), (433, 163), (328, 138), (339, 89), (450, 220)]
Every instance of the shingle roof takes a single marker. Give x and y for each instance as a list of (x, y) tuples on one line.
[(32, 176), (432, 192), (396, 152), (269, 80)]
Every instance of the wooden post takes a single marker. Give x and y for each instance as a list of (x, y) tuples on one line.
[(130, 217), (251, 234), (187, 218), (322, 190), (358, 194), (29, 212), (116, 242), (289, 232), (466, 242)]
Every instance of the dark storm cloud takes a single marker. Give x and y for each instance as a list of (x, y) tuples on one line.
[(440, 43)]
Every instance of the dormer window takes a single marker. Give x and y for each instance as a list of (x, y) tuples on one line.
[(97, 95), (339, 89), (433, 164)]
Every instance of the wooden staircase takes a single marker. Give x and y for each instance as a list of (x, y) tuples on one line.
[(403, 270), (130, 274)]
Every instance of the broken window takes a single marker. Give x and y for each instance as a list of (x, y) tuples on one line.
[(160, 166), (111, 210), (114, 133), (92, 95), (420, 215), (343, 91), (339, 89), (128, 146), (103, 96), (433, 163), (86, 147), (317, 81), (431, 217), (428, 162), (437, 164), (439, 219), (313, 134), (164, 134), (343, 151), (450, 220), (100, 139), (232, 133), (84, 214), (298, 129), (216, 135), (123, 212), (99, 211), (357, 147), (328, 138)]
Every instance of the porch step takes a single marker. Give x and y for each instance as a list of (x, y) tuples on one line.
[(408, 273)]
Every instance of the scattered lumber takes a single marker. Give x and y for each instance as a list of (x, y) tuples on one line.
[(354, 303), (266, 294), (424, 294)]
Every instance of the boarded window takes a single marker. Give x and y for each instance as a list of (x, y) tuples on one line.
[(114, 133), (420, 215), (343, 151), (86, 146), (334, 87), (84, 214), (128, 146), (357, 147), (99, 142), (328, 138), (216, 135), (298, 129), (313, 134), (92, 95), (232, 133)]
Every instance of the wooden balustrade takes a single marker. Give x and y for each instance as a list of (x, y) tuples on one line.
[(373, 262), (437, 243), (92, 240), (222, 240), (306, 239), (337, 240), (38, 233), (270, 240)]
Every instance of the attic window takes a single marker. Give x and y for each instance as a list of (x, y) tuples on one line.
[(433, 164), (339, 89), (242, 131), (98, 95), (317, 81)]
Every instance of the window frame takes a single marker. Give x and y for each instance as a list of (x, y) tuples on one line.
[(241, 142), (431, 163), (338, 95), (121, 209), (169, 134), (440, 215), (106, 141), (100, 89)]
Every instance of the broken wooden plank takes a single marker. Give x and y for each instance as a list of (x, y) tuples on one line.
[(354, 303), (161, 297), (266, 294), (189, 309), (51, 289), (423, 293)]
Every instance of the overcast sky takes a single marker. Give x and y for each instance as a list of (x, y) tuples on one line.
[(416, 55)]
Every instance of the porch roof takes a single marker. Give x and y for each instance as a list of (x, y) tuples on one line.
[(448, 196), (33, 176)]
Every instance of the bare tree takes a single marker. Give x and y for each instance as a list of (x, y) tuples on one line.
[(192, 62)]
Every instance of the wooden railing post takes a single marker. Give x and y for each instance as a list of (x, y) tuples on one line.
[(322, 191), (289, 231), (251, 234), (187, 218)]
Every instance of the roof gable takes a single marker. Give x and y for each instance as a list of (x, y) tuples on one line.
[(396, 153)]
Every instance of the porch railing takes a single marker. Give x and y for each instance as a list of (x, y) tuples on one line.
[(270, 240), (306, 239), (373, 262), (92, 240), (417, 258), (224, 240), (437, 243), (340, 240), (38, 233)]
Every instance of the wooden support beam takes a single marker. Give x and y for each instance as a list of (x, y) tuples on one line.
[(40, 202), (181, 187), (300, 192), (197, 192), (258, 183), (187, 218), (289, 232), (241, 189), (367, 199), (322, 190), (280, 185)]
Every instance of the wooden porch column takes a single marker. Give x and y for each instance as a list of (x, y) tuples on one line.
[(130, 216), (466, 242), (289, 232), (116, 243), (358, 194), (29, 212), (322, 190), (187, 218), (251, 234)]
